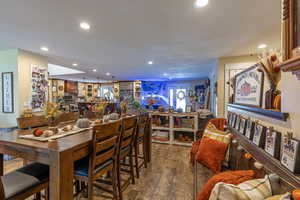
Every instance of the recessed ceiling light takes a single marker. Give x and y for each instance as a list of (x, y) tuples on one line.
[(44, 49), (107, 74), (94, 70), (85, 26), (262, 46), (75, 64), (165, 74), (150, 62), (201, 3)]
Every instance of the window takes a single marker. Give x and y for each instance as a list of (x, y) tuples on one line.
[(107, 92), (180, 99)]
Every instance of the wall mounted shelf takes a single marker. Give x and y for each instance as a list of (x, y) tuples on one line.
[(267, 160), (268, 113)]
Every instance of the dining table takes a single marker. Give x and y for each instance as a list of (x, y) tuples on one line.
[(59, 154)]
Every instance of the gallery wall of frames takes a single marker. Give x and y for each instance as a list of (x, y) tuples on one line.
[(280, 145)]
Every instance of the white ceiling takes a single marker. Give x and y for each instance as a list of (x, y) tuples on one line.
[(183, 41)]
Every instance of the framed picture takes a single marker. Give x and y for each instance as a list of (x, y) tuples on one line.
[(242, 127), (249, 87), (233, 120), (249, 129), (39, 87), (273, 142), (229, 118), (259, 135), (237, 123), (7, 92), (290, 154)]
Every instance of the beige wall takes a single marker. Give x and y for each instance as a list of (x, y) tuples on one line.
[(19, 62), (9, 63), (25, 60), (221, 77)]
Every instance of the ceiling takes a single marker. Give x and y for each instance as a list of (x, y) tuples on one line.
[(183, 41)]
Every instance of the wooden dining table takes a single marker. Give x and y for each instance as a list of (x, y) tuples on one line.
[(59, 154)]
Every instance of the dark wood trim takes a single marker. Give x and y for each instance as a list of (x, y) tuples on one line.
[(268, 113), (267, 160)]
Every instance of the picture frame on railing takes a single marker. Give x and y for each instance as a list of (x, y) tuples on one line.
[(237, 123), (7, 92), (249, 85), (290, 154), (273, 142), (249, 129), (242, 127), (259, 135), (233, 120)]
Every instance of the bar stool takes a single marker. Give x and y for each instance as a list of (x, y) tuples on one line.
[(126, 151), (25, 182), (140, 139), (102, 160)]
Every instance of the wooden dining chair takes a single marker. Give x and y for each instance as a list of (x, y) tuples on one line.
[(25, 182), (140, 139), (103, 158), (126, 151)]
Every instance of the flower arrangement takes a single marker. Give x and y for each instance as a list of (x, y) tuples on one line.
[(124, 106), (51, 111), (99, 109)]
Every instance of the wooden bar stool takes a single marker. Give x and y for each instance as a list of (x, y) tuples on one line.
[(126, 151), (102, 160), (25, 182), (140, 139)]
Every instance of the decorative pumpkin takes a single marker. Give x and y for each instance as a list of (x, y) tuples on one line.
[(296, 194), (83, 123), (114, 116), (248, 156), (48, 133)]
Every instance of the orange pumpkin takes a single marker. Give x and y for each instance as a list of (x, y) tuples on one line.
[(248, 156), (296, 194)]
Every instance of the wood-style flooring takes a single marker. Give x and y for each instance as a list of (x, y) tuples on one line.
[(168, 177)]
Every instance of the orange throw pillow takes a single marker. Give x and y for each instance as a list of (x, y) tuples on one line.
[(229, 177), (211, 153), (194, 151)]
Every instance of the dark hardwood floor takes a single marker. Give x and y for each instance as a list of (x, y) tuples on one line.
[(168, 177)]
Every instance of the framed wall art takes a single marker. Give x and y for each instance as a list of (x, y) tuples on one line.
[(7, 92), (290, 154), (273, 142), (249, 87), (237, 122), (233, 120), (39, 87), (249, 129), (259, 135), (242, 126)]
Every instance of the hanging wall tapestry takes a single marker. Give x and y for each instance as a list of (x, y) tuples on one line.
[(249, 87), (7, 92), (39, 87)]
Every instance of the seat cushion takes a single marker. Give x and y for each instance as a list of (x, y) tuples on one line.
[(24, 178), (81, 167)]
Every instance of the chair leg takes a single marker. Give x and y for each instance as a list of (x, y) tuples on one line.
[(90, 190), (114, 182), (131, 166), (136, 146), (38, 196), (145, 154), (119, 179)]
